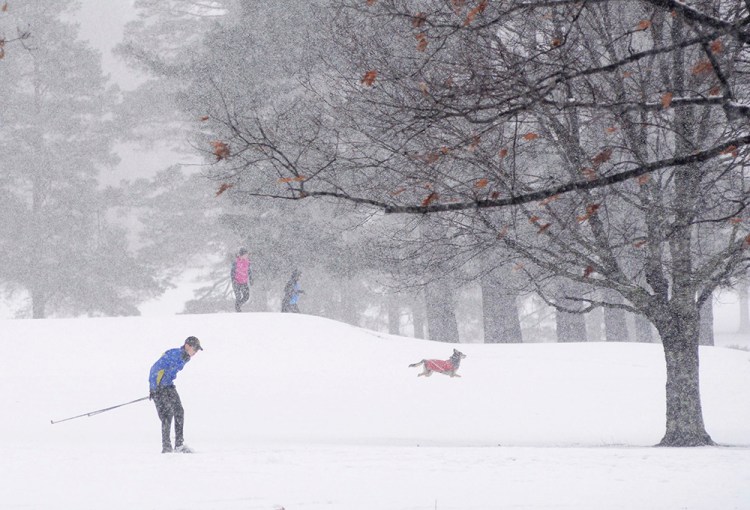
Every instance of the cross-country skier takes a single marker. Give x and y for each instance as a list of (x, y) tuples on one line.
[(164, 393)]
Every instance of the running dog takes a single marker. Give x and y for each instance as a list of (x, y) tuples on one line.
[(447, 367)]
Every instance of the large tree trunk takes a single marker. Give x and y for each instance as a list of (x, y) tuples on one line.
[(742, 291), (678, 319), (348, 311), (595, 325), (442, 325), (571, 327), (615, 324), (347, 305), (679, 334), (706, 330), (394, 314), (643, 329), (38, 304), (418, 316), (500, 314)]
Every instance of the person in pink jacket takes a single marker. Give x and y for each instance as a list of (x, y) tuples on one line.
[(241, 279)]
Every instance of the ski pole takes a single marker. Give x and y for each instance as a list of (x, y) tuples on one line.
[(98, 411)]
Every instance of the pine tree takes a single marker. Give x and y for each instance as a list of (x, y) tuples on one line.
[(58, 244)]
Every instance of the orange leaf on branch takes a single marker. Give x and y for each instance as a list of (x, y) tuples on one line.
[(530, 137), (640, 244), (666, 100), (474, 143), (549, 200), (602, 157), (369, 78), (732, 149), (297, 178), (589, 173), (591, 210), (587, 272), (481, 183), (421, 41), (643, 179), (717, 46), (221, 150), (204, 118), (458, 4), (702, 67), (503, 153), (430, 199), (544, 228), (644, 24), (431, 158), (418, 20), (475, 12), (224, 186)]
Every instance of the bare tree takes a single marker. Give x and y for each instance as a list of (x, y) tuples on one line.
[(618, 130)]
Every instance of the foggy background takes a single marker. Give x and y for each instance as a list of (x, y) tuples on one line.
[(186, 269)]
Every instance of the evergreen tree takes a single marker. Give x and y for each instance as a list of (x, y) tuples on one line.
[(58, 244)]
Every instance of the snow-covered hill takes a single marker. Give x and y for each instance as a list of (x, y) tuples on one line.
[(303, 412)]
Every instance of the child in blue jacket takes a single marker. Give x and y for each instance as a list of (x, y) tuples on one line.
[(292, 291), (164, 393)]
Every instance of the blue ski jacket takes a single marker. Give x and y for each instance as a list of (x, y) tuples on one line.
[(164, 371), (296, 291)]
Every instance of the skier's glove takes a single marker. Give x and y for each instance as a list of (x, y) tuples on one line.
[(152, 394)]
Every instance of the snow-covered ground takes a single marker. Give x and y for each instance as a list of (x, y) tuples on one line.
[(298, 412)]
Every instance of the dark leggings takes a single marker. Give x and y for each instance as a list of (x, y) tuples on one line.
[(241, 295), (169, 406), (289, 308)]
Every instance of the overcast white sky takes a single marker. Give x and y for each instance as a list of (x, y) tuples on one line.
[(102, 23)]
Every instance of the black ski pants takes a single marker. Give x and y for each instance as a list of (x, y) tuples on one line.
[(241, 295), (169, 407), (287, 307)]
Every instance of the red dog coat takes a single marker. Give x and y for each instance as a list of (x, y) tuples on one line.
[(437, 365)]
